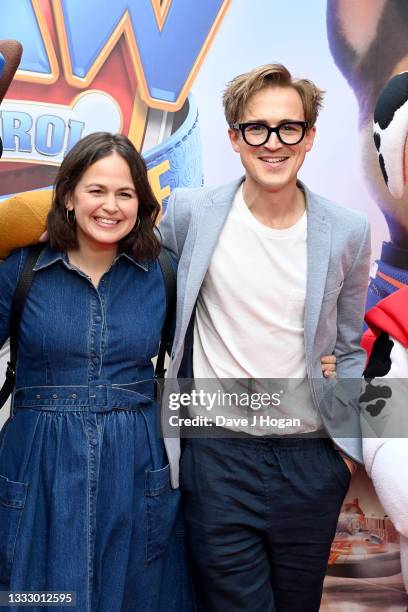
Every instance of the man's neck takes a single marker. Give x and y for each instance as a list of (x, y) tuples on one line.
[(276, 209)]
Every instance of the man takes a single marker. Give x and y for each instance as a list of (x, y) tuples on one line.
[(271, 276)]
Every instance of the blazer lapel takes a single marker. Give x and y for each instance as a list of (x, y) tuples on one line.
[(207, 225), (318, 255), (209, 221)]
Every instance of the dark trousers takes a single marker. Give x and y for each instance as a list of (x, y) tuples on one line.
[(260, 518)]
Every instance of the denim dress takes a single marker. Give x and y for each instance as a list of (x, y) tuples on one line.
[(85, 499)]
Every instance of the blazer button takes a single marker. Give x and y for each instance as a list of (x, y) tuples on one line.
[(173, 354)]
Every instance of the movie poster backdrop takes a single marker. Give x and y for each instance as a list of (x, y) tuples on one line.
[(156, 69)]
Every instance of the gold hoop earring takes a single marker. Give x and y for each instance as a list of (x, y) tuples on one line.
[(70, 220)]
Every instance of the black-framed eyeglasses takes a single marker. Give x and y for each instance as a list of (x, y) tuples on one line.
[(257, 134)]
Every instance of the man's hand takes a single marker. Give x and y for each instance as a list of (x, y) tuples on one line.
[(328, 366)]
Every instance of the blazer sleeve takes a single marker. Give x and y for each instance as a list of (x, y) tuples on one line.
[(167, 227), (351, 357), (174, 226)]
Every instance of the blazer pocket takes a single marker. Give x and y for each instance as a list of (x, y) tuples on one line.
[(12, 501), (332, 294)]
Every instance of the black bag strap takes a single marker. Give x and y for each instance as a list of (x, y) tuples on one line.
[(169, 278), (17, 307)]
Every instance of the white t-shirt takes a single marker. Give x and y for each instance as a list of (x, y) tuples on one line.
[(250, 309)]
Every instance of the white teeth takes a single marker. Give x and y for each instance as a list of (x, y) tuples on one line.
[(274, 160), (106, 221)]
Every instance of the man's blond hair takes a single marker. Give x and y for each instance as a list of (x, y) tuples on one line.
[(240, 90)]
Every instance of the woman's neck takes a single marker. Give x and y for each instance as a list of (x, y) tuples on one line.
[(91, 260)]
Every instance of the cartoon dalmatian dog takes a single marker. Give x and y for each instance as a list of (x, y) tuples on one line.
[(369, 43)]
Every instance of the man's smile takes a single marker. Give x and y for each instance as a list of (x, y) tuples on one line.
[(273, 159)]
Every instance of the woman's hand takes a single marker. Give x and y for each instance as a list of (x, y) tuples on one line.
[(328, 366)]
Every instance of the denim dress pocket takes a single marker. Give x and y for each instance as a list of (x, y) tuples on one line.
[(12, 500), (161, 505)]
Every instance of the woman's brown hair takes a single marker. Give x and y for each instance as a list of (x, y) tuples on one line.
[(142, 242)]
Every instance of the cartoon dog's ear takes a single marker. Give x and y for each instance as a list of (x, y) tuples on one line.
[(367, 39), (380, 363), (11, 51), (352, 26)]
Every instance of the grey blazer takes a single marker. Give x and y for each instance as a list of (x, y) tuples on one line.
[(338, 257)]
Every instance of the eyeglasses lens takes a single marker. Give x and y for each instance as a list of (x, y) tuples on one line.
[(290, 133)]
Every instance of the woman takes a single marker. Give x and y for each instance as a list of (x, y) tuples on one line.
[(85, 499)]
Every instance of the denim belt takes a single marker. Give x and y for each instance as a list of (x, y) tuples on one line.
[(97, 396)]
